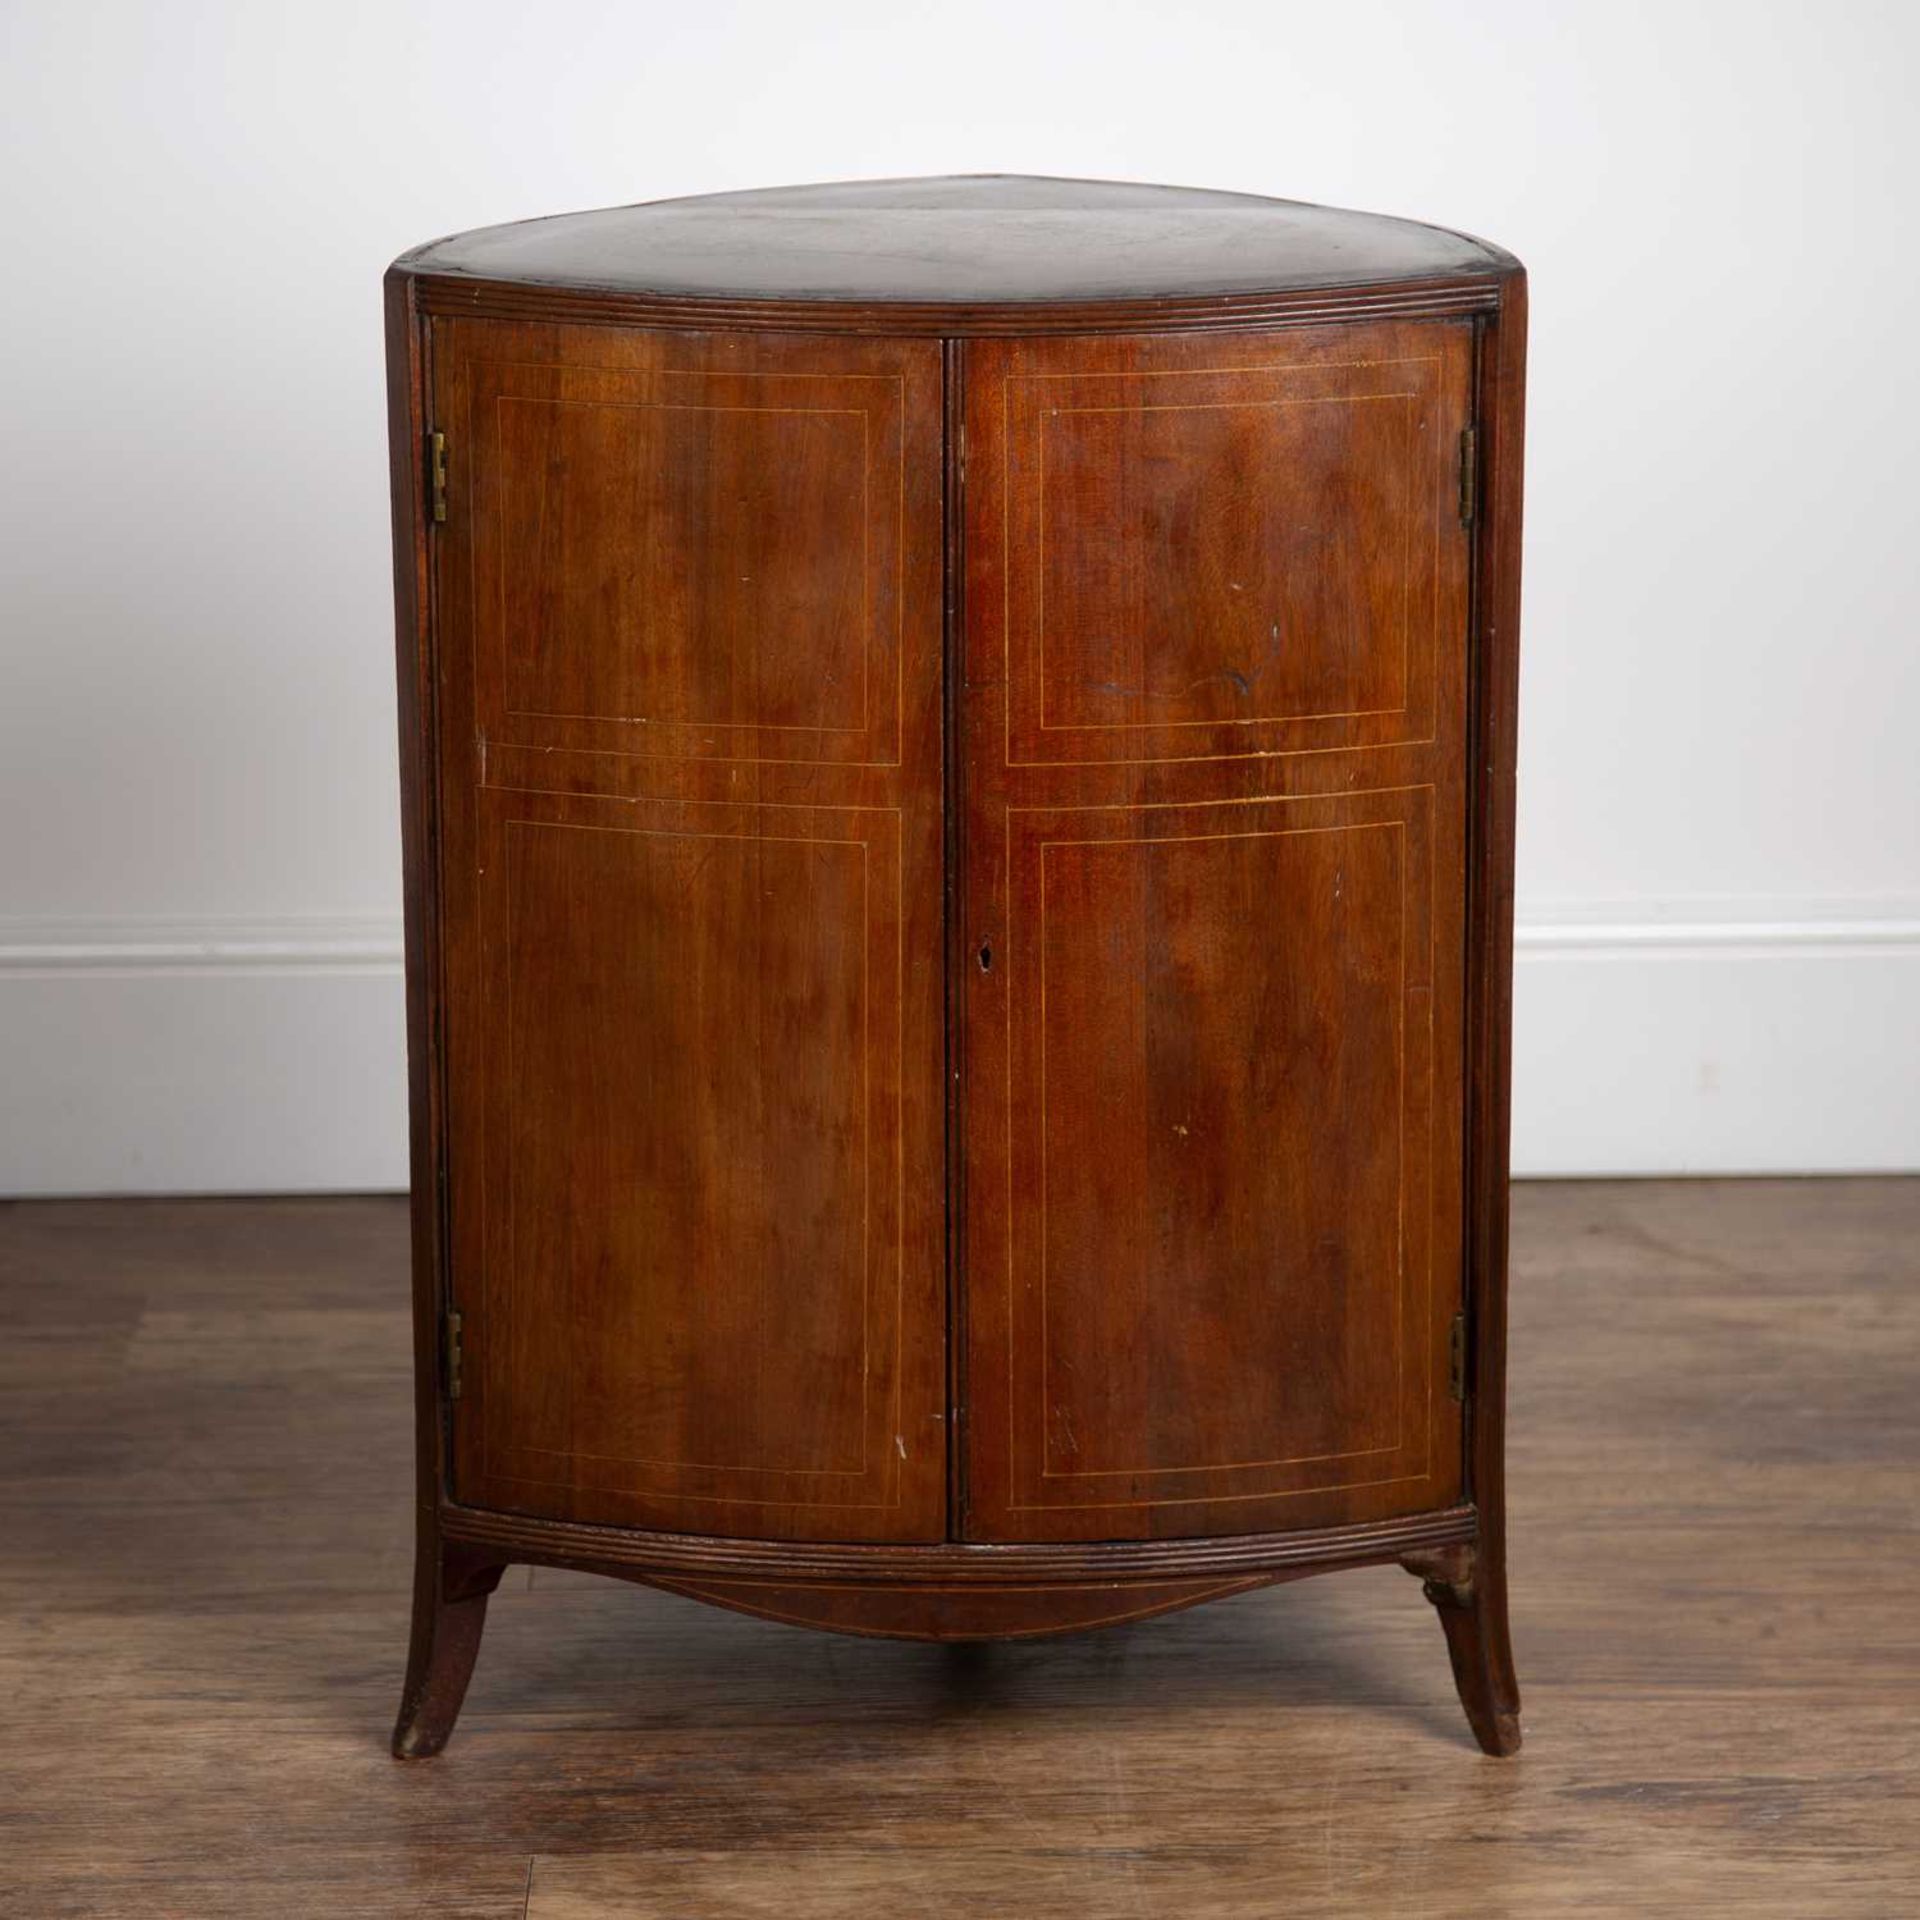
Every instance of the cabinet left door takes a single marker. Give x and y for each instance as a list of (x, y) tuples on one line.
[(687, 632)]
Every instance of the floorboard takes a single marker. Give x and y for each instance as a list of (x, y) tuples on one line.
[(1716, 1515)]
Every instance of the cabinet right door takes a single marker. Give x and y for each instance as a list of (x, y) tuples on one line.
[(1213, 800)]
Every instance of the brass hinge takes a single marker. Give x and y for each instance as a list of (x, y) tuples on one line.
[(1457, 1358), (455, 1355), (437, 475), (1469, 476)]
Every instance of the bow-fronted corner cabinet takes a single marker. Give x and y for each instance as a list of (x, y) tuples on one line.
[(958, 750)]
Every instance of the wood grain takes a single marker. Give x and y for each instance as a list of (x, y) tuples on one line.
[(1214, 704), (694, 600), (1450, 299), (688, 627), (1493, 734), (438, 1655), (687, 546), (205, 1538), (640, 1554)]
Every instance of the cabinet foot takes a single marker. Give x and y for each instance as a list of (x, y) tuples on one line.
[(1469, 1592), (450, 1592)]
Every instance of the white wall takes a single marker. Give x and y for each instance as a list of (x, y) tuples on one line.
[(1720, 853)]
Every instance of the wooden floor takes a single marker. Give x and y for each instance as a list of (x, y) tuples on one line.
[(1716, 1483)]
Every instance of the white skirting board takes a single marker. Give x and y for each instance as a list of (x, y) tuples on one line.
[(269, 1057), (202, 1057), (1693, 1043)]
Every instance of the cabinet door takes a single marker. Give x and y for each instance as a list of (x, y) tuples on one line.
[(1215, 618), (688, 631)]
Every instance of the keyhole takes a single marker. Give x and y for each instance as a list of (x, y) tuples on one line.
[(986, 959)]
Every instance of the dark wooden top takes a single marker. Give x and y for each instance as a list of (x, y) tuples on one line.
[(965, 243)]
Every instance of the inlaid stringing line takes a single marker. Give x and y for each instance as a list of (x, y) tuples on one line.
[(1046, 1387), (1230, 720), (561, 370), (1296, 367), (488, 1470), (1197, 373), (1120, 839), (502, 400)]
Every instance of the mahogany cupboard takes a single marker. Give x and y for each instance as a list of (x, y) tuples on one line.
[(958, 759)]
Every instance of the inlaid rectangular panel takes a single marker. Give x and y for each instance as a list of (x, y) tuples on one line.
[(1214, 860), (1216, 547), (687, 560), (1230, 1233), (688, 648), (1198, 1037), (692, 1286), (683, 564)]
